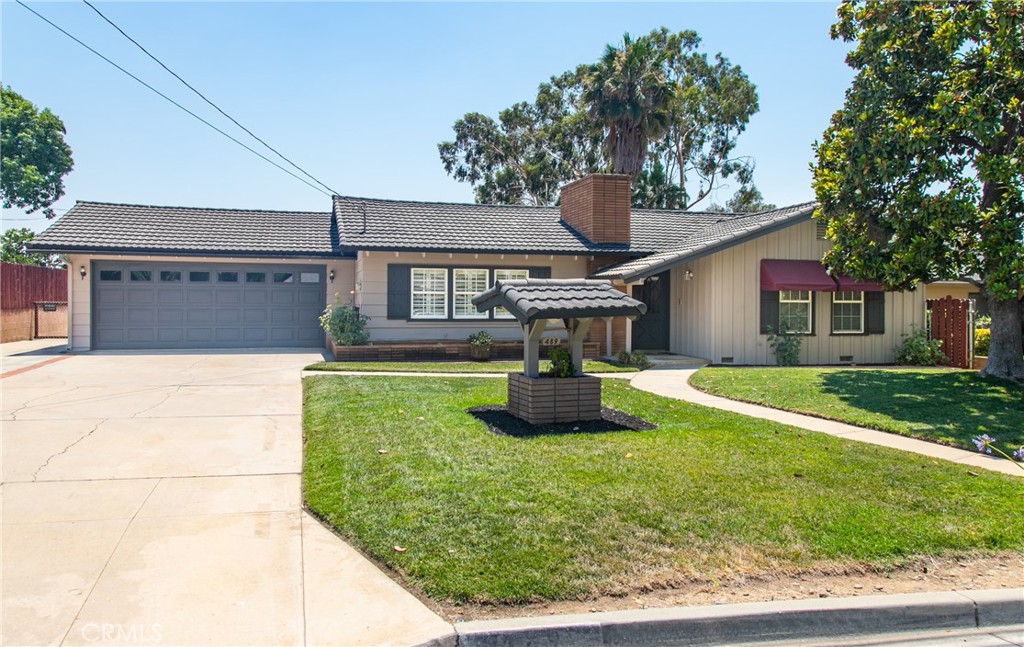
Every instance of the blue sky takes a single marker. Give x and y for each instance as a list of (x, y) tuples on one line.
[(360, 94)]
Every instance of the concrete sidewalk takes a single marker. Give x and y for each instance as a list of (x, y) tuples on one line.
[(674, 383), (157, 499), (15, 356)]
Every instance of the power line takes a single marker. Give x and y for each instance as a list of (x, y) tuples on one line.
[(172, 101), (204, 98)]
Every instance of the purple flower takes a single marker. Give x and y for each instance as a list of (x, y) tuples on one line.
[(1019, 454), (982, 442)]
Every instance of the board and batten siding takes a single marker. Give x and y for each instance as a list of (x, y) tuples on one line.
[(371, 277), (717, 313), (80, 290)]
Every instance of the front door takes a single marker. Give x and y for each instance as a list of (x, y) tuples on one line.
[(651, 331)]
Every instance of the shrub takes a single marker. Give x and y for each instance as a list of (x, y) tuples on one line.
[(785, 346), (345, 325), (637, 359), (983, 321), (482, 338), (918, 350), (981, 338), (561, 363)]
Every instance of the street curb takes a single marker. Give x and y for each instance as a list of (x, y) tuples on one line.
[(759, 621)]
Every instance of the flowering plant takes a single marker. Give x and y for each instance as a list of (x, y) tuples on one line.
[(985, 445)]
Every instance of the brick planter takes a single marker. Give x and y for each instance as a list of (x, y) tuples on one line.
[(437, 351), (543, 400)]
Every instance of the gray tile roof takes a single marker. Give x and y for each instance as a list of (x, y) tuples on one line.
[(101, 226), (708, 240), (439, 226), (533, 299)]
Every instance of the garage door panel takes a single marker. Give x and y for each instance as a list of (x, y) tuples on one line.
[(140, 335), (200, 316), (256, 298), (170, 296), (197, 305), (199, 296), (109, 296), (230, 317), (228, 297), (283, 297), (170, 317)]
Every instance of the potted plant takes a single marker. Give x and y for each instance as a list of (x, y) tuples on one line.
[(480, 346)]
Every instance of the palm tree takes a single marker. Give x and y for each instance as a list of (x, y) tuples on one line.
[(628, 92)]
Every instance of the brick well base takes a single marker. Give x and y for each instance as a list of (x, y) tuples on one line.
[(544, 400)]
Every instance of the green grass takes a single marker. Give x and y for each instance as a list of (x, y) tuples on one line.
[(707, 495), (589, 366), (944, 406)]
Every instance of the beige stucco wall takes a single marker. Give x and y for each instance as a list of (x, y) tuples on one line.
[(80, 290), (717, 313), (955, 289), (371, 275)]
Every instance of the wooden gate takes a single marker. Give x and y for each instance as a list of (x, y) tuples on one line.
[(951, 322)]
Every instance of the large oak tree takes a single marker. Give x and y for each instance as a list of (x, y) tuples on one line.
[(654, 107), (920, 175), (35, 157)]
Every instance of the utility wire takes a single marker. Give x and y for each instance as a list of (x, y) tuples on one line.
[(167, 98), (204, 98)]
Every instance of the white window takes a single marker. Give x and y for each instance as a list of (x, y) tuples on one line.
[(508, 275), (847, 313), (468, 284), (795, 311), (429, 293)]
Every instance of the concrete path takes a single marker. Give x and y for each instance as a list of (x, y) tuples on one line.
[(17, 356), (156, 499), (674, 383)]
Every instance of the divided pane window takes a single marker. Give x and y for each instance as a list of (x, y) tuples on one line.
[(255, 277), (468, 284), (508, 275), (199, 277), (283, 277), (795, 311), (140, 275), (110, 275), (170, 276), (227, 277), (429, 293), (848, 312)]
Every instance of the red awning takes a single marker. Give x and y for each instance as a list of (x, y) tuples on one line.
[(795, 275), (846, 284)]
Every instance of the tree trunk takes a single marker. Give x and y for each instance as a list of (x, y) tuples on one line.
[(1004, 349)]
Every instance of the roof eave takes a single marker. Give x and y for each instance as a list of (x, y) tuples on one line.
[(166, 251)]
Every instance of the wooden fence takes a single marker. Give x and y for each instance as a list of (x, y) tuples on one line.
[(951, 323), (21, 288)]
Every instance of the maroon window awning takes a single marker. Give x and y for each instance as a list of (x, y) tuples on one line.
[(784, 274), (795, 275)]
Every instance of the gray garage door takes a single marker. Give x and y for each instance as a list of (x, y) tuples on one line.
[(205, 305)]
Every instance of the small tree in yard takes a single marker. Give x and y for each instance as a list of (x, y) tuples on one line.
[(920, 175), (35, 156)]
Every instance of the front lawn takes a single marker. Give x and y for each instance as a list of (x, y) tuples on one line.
[(399, 467), (589, 366), (945, 406)]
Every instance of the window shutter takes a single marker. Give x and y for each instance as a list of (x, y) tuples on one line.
[(540, 272), (399, 290), (874, 313), (769, 311)]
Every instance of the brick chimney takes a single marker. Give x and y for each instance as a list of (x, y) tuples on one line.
[(597, 206)]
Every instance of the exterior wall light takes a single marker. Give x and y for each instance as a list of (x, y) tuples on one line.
[(688, 275), (81, 272), (330, 275)]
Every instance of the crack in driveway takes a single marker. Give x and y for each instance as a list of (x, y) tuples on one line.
[(35, 475)]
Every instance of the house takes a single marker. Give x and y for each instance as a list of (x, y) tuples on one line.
[(174, 277)]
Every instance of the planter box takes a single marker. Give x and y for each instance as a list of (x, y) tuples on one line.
[(544, 400), (979, 362), (438, 351)]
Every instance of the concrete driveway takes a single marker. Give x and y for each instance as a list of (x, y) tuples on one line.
[(156, 499)]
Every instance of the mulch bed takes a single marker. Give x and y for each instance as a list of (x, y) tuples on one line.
[(501, 422)]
